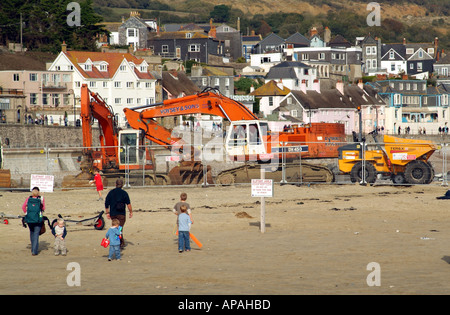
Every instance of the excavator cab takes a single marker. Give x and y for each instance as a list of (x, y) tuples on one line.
[(246, 138), (132, 153)]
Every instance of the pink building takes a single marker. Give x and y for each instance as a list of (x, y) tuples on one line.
[(47, 93)]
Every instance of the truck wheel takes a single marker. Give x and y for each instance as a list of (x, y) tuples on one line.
[(418, 172), (370, 173), (398, 178)]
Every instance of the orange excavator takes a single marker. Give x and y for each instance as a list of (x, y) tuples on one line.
[(248, 140)]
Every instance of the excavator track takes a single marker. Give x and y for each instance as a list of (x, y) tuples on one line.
[(294, 173)]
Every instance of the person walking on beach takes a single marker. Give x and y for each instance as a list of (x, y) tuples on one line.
[(33, 207), (59, 231), (184, 222), (98, 183), (114, 235), (116, 202), (182, 202)]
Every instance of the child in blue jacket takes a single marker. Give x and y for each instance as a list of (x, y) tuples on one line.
[(184, 222), (113, 235)]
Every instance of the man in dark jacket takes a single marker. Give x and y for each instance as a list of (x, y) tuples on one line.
[(116, 203)]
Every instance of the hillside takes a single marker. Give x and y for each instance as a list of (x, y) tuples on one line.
[(406, 11)]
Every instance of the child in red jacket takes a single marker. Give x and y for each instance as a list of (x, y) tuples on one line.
[(98, 183)]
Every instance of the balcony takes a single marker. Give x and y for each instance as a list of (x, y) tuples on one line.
[(48, 85), (11, 91)]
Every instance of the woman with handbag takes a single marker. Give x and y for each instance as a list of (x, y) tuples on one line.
[(33, 207)]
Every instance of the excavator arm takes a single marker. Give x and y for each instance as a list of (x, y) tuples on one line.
[(93, 106), (206, 102)]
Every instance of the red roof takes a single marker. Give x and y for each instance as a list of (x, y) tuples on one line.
[(113, 60)]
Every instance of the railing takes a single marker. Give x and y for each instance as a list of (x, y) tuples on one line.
[(213, 165)]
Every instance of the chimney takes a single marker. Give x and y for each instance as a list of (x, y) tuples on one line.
[(436, 44), (280, 84), (313, 32), (64, 47), (316, 85), (340, 86), (238, 24), (327, 35), (360, 84), (303, 86), (404, 41)]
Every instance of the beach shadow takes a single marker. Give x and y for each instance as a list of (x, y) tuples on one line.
[(258, 224), (43, 246), (446, 259)]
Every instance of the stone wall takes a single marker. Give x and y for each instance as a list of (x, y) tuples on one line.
[(35, 136)]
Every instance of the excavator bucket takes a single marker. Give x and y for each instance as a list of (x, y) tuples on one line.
[(190, 173)]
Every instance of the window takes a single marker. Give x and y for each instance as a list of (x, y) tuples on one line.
[(410, 51), (33, 98), (129, 100), (270, 101), (419, 66), (123, 68), (45, 99), (165, 49), (117, 100), (305, 57), (92, 84), (217, 81), (265, 59), (194, 48), (103, 67), (77, 84), (16, 77), (391, 55), (148, 85), (117, 84), (444, 99), (33, 76), (188, 35), (56, 101), (321, 56), (88, 67), (204, 81), (131, 32), (129, 85), (105, 84), (66, 99)]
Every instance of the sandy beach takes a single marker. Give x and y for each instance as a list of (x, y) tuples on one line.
[(318, 240)]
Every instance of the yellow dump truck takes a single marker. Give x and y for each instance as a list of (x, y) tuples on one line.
[(401, 160)]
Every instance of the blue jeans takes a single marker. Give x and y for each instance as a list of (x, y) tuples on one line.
[(183, 240), (35, 228), (114, 250)]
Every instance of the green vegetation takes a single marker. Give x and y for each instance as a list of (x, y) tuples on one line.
[(45, 24)]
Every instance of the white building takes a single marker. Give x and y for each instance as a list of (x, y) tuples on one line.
[(265, 61), (292, 74), (121, 79)]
